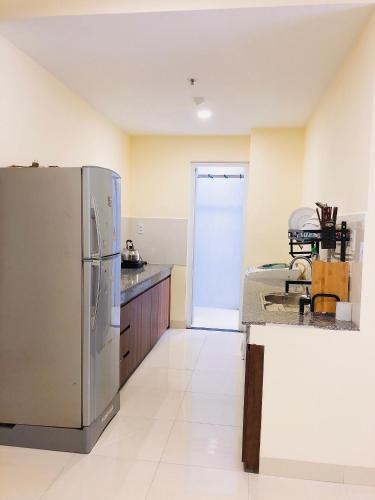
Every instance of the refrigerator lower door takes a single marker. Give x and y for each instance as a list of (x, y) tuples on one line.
[(101, 212), (101, 335)]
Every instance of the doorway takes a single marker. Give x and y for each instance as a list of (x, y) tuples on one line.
[(218, 239)]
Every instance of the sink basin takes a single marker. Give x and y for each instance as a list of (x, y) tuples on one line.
[(280, 302), (275, 275)]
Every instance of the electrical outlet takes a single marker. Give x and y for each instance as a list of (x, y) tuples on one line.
[(140, 228)]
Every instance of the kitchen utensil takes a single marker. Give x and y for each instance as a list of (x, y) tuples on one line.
[(130, 253), (327, 219), (329, 278)]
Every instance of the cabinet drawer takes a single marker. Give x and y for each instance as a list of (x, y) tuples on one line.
[(125, 367), (125, 341), (125, 316)]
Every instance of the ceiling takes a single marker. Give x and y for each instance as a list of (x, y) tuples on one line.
[(256, 67)]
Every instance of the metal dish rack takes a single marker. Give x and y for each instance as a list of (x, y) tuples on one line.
[(312, 238)]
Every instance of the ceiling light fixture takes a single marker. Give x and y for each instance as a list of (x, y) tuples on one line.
[(204, 113)]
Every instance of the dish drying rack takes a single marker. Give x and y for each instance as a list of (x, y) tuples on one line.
[(312, 239)]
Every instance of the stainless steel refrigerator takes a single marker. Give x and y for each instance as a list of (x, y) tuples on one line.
[(60, 276)]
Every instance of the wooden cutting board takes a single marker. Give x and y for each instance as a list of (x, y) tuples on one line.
[(330, 277)]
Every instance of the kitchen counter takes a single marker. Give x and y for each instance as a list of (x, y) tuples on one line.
[(136, 281), (254, 314)]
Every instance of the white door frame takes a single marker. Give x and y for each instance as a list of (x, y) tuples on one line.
[(191, 234)]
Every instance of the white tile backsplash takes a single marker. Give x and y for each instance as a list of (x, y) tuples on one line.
[(159, 241)]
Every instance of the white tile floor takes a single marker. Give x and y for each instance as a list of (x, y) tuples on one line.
[(177, 437), (211, 317)]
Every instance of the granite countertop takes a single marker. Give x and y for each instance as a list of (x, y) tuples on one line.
[(136, 281), (253, 313)]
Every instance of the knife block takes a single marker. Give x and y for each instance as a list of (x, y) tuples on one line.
[(329, 277)]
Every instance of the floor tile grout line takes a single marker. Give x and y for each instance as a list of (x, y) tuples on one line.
[(200, 466), (200, 351), (209, 423), (174, 422), (164, 448), (71, 459)]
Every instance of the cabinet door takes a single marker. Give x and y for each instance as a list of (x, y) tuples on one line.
[(128, 328), (144, 335), (155, 301), (164, 306)]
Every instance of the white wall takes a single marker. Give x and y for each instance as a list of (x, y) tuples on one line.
[(42, 120), (318, 386)]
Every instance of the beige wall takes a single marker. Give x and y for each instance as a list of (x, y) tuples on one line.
[(42, 120), (338, 135), (161, 170), (275, 185), (327, 378), (161, 184)]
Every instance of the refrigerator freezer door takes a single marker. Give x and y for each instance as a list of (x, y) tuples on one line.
[(101, 212), (101, 336)]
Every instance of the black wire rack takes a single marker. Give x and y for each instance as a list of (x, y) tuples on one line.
[(304, 242)]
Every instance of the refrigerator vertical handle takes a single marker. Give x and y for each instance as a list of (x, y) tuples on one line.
[(95, 265), (97, 227)]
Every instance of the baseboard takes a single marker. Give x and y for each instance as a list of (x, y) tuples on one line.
[(317, 471), (180, 325), (59, 438)]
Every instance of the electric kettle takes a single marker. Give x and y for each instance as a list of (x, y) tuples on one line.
[(130, 253)]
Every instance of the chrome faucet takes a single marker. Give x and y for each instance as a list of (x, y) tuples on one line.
[(298, 282), (298, 258)]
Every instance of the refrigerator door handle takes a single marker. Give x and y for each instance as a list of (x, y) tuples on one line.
[(96, 287), (97, 227)]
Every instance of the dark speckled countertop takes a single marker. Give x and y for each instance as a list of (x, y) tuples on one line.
[(253, 313), (136, 281)]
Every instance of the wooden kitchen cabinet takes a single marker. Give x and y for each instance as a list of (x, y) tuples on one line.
[(142, 322)]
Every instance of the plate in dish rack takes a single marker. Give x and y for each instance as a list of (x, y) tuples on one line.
[(300, 216)]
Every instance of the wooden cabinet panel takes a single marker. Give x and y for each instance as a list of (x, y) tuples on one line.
[(144, 335), (155, 300), (128, 329), (125, 341), (143, 320), (125, 316), (164, 306), (252, 407)]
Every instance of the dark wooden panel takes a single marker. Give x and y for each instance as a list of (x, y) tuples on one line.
[(125, 316), (164, 306), (143, 320), (252, 407), (129, 322), (145, 328), (125, 340), (155, 300), (125, 367)]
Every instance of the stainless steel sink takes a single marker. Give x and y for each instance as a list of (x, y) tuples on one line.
[(280, 302)]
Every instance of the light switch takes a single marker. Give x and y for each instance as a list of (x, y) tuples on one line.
[(140, 228)]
